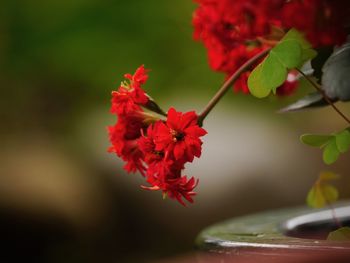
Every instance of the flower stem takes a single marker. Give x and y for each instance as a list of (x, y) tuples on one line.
[(335, 218), (319, 89), (228, 83)]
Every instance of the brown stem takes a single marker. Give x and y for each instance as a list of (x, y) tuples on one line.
[(329, 204), (228, 83), (335, 218), (329, 101)]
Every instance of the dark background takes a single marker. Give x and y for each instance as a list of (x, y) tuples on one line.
[(63, 198)]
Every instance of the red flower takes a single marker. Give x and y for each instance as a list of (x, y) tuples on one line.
[(130, 96), (166, 148), (140, 76), (325, 22), (176, 188), (148, 147), (124, 136), (232, 30), (181, 187), (123, 102), (180, 135), (163, 172), (157, 149)]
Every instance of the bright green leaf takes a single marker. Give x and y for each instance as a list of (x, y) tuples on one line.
[(291, 52), (331, 152), (343, 141), (333, 144), (273, 74), (288, 53), (307, 51), (341, 234), (294, 34), (266, 77), (315, 140), (256, 86)]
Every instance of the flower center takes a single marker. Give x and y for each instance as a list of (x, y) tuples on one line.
[(177, 136), (159, 153)]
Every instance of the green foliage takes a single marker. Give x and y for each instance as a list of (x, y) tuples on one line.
[(323, 193), (341, 234), (315, 140), (330, 152), (259, 83), (287, 53), (291, 52), (333, 145), (342, 141), (307, 51)]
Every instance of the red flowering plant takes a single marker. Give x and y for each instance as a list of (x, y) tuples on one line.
[(262, 46), (234, 31), (156, 144)]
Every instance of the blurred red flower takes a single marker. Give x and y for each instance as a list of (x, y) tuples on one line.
[(234, 31)]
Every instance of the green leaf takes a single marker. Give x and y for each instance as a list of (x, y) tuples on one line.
[(294, 34), (342, 140), (331, 152), (272, 73), (257, 87), (288, 53), (291, 52), (333, 144), (266, 77), (307, 51), (341, 234), (307, 54), (315, 140)]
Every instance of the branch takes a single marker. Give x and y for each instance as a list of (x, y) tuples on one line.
[(319, 89), (228, 83)]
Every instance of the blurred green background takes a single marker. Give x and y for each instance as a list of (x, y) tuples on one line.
[(63, 198)]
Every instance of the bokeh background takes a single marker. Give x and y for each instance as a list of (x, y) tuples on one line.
[(63, 198)]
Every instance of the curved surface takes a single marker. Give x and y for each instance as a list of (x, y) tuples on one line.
[(264, 234)]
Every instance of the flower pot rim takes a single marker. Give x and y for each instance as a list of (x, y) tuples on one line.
[(267, 230)]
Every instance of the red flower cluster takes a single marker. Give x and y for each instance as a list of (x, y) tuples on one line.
[(157, 148), (234, 31), (324, 22)]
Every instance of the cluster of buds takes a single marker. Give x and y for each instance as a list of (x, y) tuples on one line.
[(152, 142)]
